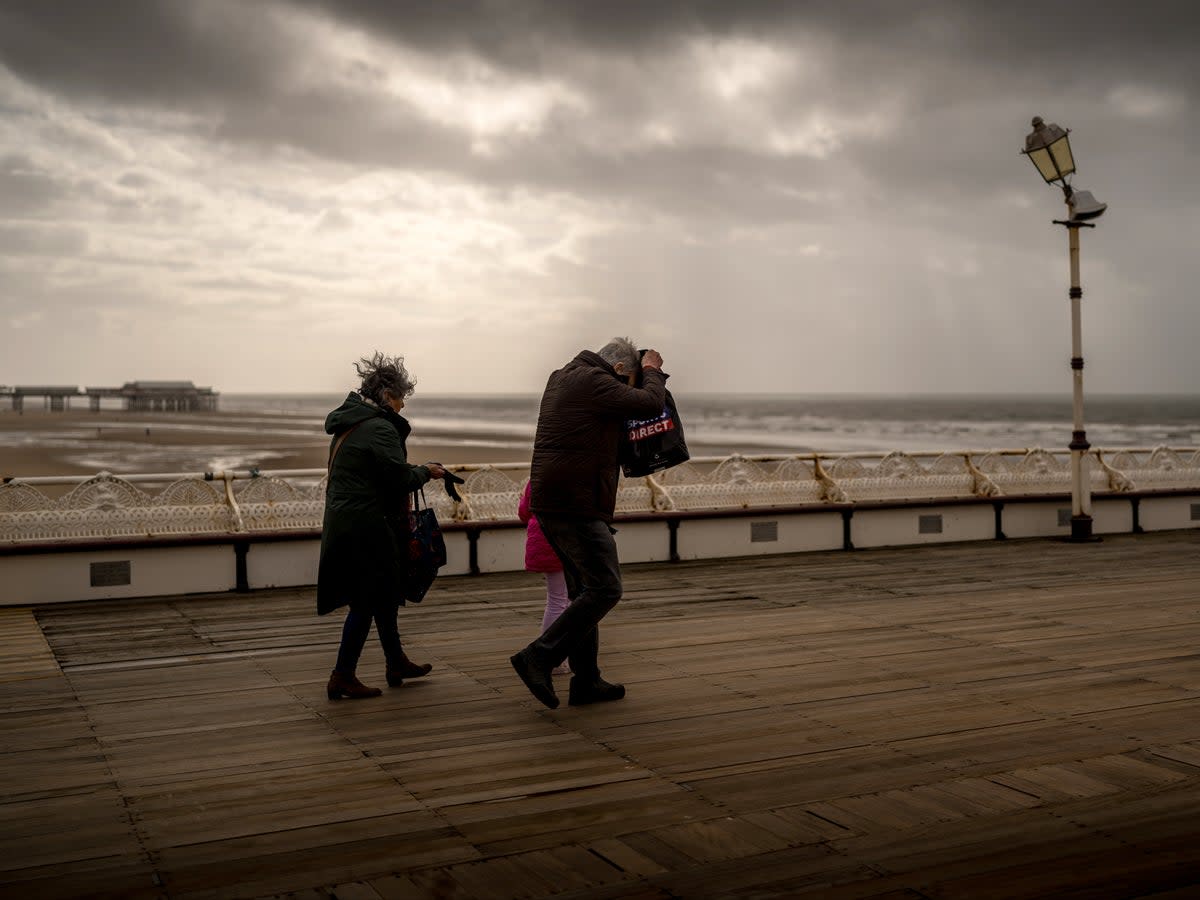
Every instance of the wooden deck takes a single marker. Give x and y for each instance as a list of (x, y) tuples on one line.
[(1012, 719)]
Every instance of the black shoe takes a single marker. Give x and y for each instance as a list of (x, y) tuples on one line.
[(598, 691), (537, 679)]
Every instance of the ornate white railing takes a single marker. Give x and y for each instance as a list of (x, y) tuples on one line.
[(106, 506)]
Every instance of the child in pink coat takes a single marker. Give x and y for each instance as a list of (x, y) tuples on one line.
[(540, 557)]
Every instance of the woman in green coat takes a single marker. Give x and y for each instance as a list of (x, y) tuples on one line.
[(365, 532)]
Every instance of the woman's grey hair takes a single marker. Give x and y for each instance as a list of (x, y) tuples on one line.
[(621, 350), (382, 374)]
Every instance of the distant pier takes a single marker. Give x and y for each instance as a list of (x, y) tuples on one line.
[(141, 396)]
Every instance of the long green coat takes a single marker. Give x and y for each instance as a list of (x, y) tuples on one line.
[(363, 539)]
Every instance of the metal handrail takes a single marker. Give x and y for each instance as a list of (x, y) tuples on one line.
[(817, 457)]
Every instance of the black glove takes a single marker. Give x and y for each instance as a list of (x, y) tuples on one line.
[(450, 480)]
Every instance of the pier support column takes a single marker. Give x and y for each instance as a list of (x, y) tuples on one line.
[(1081, 483)]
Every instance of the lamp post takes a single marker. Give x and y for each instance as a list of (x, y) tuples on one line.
[(1049, 149)]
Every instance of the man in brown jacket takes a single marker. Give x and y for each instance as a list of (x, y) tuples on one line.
[(574, 492)]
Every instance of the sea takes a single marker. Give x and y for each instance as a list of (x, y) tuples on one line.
[(261, 430), (717, 424)]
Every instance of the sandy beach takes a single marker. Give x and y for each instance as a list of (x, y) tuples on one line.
[(80, 442)]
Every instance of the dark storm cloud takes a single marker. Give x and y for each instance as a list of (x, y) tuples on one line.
[(521, 33), (134, 51), (939, 62), (1059, 43), (150, 50)]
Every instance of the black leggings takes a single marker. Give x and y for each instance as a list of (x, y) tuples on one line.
[(356, 629)]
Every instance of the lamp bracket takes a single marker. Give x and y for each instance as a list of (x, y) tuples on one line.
[(1072, 223)]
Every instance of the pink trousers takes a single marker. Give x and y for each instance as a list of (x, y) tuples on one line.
[(556, 597)]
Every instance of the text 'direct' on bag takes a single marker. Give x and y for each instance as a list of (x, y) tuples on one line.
[(111, 574), (1064, 518), (764, 532)]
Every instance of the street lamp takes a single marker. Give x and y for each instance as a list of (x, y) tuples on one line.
[(1049, 149)]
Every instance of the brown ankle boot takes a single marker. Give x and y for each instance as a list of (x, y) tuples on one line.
[(348, 686), (407, 669)]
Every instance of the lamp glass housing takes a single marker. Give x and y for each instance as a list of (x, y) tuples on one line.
[(1049, 148)]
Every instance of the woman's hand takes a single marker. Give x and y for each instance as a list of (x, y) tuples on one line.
[(436, 470)]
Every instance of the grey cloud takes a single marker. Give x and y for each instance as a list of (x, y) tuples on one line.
[(690, 180), (348, 127), (135, 180), (22, 194), (165, 51), (132, 51), (24, 188), (30, 240), (334, 220), (524, 34), (220, 56), (233, 285), (931, 225)]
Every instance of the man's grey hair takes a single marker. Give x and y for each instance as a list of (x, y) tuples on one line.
[(621, 350)]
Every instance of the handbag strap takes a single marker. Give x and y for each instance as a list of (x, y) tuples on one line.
[(337, 445)]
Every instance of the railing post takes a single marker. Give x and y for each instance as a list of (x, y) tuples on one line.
[(241, 549), (473, 550)]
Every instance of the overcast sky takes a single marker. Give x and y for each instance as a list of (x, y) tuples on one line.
[(802, 197)]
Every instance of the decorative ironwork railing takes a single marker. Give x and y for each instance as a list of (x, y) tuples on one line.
[(106, 506)]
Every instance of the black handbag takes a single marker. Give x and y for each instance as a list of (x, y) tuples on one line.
[(426, 549), (650, 445)]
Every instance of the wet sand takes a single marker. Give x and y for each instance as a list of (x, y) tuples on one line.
[(77, 442)]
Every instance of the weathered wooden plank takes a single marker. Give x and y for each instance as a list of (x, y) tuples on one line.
[(128, 875), (24, 652), (728, 837), (56, 830)]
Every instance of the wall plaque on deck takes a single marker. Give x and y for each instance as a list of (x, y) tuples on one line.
[(931, 524), (111, 574), (764, 532)]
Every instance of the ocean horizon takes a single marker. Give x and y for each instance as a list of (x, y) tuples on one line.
[(263, 430), (798, 423)]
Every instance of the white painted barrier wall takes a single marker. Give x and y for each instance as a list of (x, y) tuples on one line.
[(764, 533), (172, 534), (86, 573), (145, 572), (1167, 513)]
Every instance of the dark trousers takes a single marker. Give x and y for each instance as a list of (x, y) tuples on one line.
[(356, 629), (593, 572)]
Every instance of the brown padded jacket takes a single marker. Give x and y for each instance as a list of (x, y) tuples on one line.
[(585, 405)]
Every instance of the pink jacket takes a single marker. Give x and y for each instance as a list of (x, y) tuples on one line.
[(539, 555)]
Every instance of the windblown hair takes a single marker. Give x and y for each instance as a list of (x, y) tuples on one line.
[(382, 374), (621, 349)]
